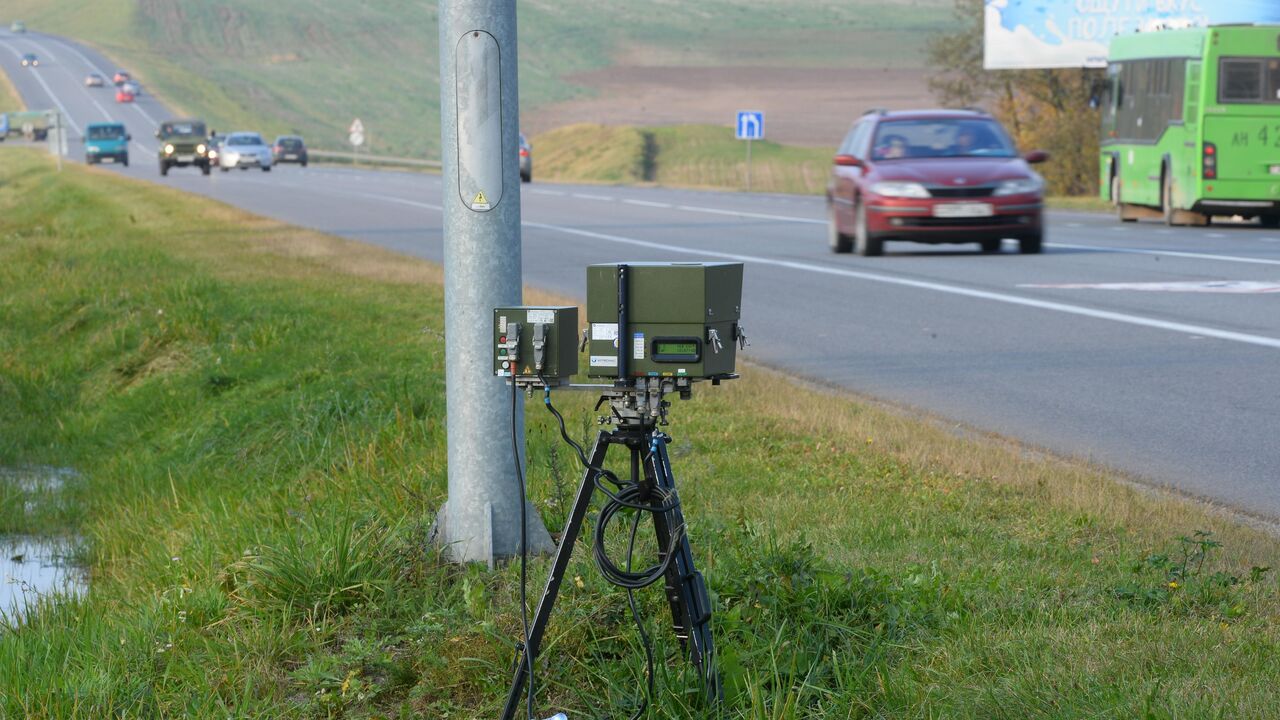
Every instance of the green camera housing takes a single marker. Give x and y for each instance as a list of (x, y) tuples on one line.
[(681, 320), (516, 353)]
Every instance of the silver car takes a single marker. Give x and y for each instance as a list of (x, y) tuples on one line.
[(244, 150)]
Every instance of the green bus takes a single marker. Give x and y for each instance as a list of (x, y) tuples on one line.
[(1191, 124)]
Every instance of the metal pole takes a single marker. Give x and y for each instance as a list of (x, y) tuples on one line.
[(748, 164), (479, 129)]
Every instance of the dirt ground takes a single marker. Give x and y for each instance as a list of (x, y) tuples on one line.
[(802, 106)]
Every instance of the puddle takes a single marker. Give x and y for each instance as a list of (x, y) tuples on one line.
[(31, 566)]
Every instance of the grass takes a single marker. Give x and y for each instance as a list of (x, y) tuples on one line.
[(678, 156), (256, 413), (1083, 203), (10, 101), (299, 66)]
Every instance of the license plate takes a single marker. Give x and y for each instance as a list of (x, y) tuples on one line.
[(186, 158), (963, 210), (290, 156), (1275, 169)]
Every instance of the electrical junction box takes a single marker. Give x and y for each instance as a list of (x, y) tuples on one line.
[(681, 319), (532, 341)]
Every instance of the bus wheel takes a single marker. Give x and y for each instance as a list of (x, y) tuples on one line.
[(1121, 213), (1269, 221)]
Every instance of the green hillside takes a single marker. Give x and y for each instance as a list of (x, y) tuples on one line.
[(310, 67)]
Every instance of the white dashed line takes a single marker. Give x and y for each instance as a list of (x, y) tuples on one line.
[(646, 203), (758, 216), (1168, 253), (1187, 329), (586, 196)]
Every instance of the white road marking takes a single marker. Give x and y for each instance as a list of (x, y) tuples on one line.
[(1234, 287), (646, 203), (540, 191), (586, 196), (1168, 253), (759, 216), (1216, 236), (49, 91), (1075, 224), (1184, 328)]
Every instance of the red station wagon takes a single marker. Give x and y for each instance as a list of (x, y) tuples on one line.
[(935, 176)]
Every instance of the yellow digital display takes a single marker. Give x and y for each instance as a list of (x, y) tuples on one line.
[(675, 348)]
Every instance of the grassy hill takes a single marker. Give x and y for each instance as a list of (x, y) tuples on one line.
[(310, 67)]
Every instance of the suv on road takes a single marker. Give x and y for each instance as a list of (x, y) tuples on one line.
[(933, 176), (183, 143)]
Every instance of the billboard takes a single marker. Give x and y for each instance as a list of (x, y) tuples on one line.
[(1021, 34)]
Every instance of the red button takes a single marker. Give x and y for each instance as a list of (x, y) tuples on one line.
[(502, 338)]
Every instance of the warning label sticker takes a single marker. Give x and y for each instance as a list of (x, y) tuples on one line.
[(481, 202), (637, 346)]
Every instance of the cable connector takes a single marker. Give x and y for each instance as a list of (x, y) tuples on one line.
[(513, 344), (539, 345)]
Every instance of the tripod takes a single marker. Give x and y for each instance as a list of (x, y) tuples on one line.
[(685, 588)]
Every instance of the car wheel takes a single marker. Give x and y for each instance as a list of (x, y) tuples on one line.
[(266, 168), (88, 160), (125, 161), (1269, 221), (224, 168), (303, 163), (164, 169), (1031, 244), (991, 247), (204, 169), (866, 244), (526, 177), (839, 242)]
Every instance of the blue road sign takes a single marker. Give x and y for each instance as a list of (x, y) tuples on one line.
[(750, 125)]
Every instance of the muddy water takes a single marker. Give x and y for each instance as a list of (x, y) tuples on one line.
[(31, 566)]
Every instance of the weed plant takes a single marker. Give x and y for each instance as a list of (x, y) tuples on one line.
[(256, 414)]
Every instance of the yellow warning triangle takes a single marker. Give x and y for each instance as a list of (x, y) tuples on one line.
[(480, 199)]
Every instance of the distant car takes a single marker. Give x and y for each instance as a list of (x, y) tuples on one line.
[(18, 27), (30, 60), (130, 86), (933, 176), (94, 80), (123, 95), (183, 143), (106, 141), (121, 77), (289, 148), (244, 150), (526, 160), (214, 147)]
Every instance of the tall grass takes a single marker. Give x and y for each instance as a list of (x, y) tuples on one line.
[(256, 414)]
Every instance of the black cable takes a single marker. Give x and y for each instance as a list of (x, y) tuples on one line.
[(524, 552), (628, 496)]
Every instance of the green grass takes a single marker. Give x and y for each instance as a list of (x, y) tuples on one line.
[(257, 415), (1083, 203), (677, 156), (300, 66)]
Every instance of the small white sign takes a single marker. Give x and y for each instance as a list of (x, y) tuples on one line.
[(637, 346), (542, 317), (604, 331), (502, 324), (604, 361)]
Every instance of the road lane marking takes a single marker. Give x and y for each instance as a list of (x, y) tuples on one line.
[(587, 196), (759, 216), (1125, 318), (547, 192), (1169, 253), (1233, 287), (647, 203), (49, 91)]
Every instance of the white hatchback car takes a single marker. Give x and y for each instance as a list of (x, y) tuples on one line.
[(244, 150)]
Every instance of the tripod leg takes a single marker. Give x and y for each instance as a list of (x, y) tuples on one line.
[(581, 504), (686, 588)]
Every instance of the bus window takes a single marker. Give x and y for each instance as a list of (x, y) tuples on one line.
[(1240, 81), (1273, 81)]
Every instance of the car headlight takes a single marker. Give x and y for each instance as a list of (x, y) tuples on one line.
[(93, 148), (1019, 186), (168, 149), (900, 189), (200, 149)]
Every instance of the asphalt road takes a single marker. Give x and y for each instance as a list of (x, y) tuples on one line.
[(1172, 377)]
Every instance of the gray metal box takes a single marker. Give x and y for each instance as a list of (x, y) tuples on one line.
[(555, 327)]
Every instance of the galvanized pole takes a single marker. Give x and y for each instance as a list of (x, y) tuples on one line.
[(479, 129)]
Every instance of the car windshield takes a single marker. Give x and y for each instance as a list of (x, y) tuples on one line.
[(938, 138), (291, 143), (244, 140), (182, 128), (107, 132)]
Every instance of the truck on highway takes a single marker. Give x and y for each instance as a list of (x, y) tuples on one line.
[(1191, 124), (183, 143), (32, 125), (106, 141)]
